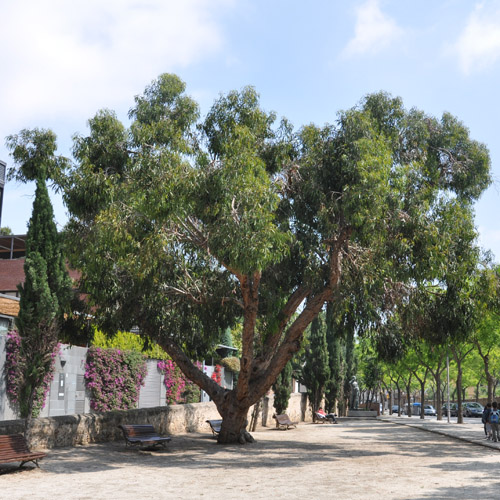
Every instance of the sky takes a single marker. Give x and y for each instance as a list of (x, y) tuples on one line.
[(61, 62)]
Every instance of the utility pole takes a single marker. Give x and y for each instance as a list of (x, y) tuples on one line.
[(3, 170)]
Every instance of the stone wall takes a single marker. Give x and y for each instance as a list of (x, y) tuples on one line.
[(71, 430)]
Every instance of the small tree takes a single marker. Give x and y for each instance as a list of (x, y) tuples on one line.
[(282, 389)]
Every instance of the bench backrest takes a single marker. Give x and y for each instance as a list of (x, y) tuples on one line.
[(216, 423), (138, 430), (13, 443), (282, 419)]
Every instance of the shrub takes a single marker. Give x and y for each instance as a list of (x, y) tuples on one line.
[(128, 341), (114, 378), (232, 364)]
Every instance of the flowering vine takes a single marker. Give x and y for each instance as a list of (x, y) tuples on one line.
[(114, 378), (179, 388), (15, 369), (217, 374)]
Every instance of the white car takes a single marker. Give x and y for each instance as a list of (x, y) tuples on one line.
[(430, 410)]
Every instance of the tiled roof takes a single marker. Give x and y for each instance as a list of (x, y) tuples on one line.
[(12, 274)]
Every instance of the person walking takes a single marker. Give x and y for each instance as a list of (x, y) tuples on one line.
[(484, 419), (494, 420)]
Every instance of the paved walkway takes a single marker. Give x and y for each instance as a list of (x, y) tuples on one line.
[(471, 431), (388, 458)]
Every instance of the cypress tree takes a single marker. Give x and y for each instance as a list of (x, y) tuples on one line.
[(43, 295), (316, 371), (282, 389), (334, 385), (350, 359), (47, 286)]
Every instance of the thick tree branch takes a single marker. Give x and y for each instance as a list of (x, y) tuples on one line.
[(214, 390), (250, 294)]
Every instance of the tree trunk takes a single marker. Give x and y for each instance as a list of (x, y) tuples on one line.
[(408, 389), (255, 416), (438, 393), (234, 425), (422, 399), (460, 417), (459, 357)]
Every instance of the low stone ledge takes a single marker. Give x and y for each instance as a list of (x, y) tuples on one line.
[(362, 413), (71, 430)]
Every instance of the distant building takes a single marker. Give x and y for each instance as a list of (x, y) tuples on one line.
[(12, 256)]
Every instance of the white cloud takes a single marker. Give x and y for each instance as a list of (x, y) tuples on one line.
[(66, 59), (489, 239), (478, 46), (374, 31)]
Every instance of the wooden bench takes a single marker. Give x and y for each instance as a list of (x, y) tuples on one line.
[(284, 421), (13, 448), (142, 435), (215, 425)]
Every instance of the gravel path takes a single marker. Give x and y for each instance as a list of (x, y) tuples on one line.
[(351, 460)]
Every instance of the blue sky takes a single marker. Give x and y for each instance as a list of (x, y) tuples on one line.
[(62, 61)]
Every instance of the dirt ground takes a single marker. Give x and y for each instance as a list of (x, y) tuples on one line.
[(351, 460)]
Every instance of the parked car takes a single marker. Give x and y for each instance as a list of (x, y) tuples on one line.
[(430, 410), (473, 409), (395, 409), (453, 409)]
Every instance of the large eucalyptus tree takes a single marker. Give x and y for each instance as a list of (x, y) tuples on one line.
[(184, 227)]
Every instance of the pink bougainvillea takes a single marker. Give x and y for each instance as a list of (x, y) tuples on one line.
[(13, 365), (114, 378), (15, 368), (179, 388)]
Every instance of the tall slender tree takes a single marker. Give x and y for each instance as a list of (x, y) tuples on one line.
[(46, 290), (316, 370), (336, 362), (282, 389)]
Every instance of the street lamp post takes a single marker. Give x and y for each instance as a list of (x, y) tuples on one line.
[(448, 385)]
